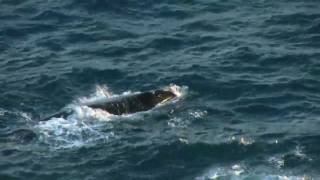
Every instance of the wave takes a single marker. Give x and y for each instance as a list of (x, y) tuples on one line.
[(238, 171)]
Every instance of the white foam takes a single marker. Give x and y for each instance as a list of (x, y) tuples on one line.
[(26, 116), (179, 91), (233, 172), (67, 133), (198, 114), (101, 93), (85, 112), (276, 161)]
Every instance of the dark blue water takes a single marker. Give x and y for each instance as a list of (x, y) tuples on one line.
[(249, 72)]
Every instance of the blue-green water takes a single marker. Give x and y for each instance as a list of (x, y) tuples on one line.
[(248, 71)]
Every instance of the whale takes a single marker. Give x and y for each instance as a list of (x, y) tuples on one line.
[(123, 105)]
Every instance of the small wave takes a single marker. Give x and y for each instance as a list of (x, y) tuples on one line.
[(19, 115), (17, 133), (239, 171), (292, 19)]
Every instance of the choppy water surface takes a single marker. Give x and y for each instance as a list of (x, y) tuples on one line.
[(248, 72)]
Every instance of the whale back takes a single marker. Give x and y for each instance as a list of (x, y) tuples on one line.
[(124, 105), (134, 103), (127, 105)]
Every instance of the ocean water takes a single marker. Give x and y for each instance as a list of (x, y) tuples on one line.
[(247, 71)]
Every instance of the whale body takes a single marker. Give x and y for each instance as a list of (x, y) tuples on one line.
[(127, 104)]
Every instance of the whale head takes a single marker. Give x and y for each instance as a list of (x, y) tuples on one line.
[(162, 96)]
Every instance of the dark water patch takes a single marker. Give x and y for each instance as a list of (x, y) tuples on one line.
[(227, 91), (94, 35), (196, 152), (29, 62), (259, 110), (293, 19), (11, 32), (110, 52), (52, 44), (312, 41), (123, 34), (217, 7), (178, 157), (3, 46), (304, 85), (193, 80), (8, 176), (60, 85), (246, 69), (200, 25), (285, 61), (314, 70), (75, 37), (269, 88), (94, 76), (167, 11), (139, 79), (13, 2), (306, 156), (21, 136), (246, 54), (309, 41), (308, 107), (272, 135), (281, 33), (26, 10), (292, 160), (24, 30), (198, 45), (166, 43), (8, 152), (309, 143), (315, 27), (8, 100), (220, 112), (54, 16), (125, 7), (272, 100), (7, 17)]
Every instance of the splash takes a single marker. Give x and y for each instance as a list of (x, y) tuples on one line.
[(86, 125), (61, 133), (198, 114), (179, 91), (234, 171), (101, 93)]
